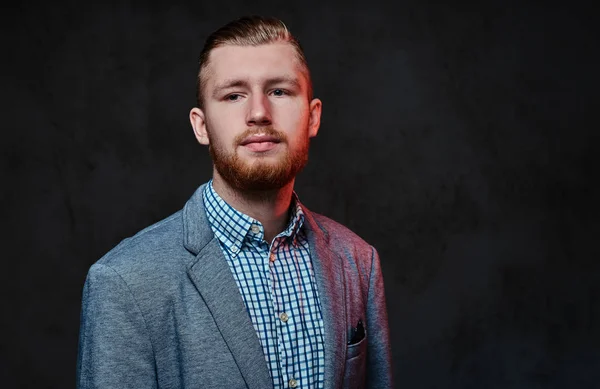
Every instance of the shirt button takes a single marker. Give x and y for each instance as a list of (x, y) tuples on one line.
[(283, 317), (255, 228), (272, 257), (293, 383), (234, 249)]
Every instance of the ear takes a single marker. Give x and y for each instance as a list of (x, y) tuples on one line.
[(199, 125), (314, 120)]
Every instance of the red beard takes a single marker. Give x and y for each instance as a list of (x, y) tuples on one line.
[(258, 176)]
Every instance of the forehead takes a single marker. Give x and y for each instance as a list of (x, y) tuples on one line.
[(254, 63)]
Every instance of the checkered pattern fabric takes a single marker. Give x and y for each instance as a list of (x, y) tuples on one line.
[(278, 287)]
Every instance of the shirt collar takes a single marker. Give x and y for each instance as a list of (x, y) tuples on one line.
[(232, 227)]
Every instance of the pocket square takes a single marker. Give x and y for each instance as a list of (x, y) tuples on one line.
[(357, 333)]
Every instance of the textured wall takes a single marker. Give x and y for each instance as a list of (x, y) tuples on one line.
[(458, 140)]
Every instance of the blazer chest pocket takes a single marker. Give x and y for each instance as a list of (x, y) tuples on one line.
[(356, 363), (357, 341), (356, 349)]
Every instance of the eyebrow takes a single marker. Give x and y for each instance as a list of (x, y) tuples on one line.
[(239, 82)]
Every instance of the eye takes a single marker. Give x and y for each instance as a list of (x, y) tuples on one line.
[(279, 92), (232, 97)]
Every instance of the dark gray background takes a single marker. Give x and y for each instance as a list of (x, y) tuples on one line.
[(459, 140)]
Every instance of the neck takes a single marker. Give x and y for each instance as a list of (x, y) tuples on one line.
[(268, 207)]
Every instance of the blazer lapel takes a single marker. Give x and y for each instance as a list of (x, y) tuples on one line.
[(212, 277), (329, 275)]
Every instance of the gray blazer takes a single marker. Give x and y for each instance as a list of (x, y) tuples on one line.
[(162, 310)]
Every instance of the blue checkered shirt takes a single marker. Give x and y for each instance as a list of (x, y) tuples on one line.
[(278, 287)]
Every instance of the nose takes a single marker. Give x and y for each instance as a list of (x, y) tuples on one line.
[(259, 111)]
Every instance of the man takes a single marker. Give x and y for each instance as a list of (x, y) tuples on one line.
[(244, 287)]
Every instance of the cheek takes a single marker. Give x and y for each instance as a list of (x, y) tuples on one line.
[(294, 117), (220, 128)]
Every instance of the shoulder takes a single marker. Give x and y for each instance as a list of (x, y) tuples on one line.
[(156, 249), (342, 238)]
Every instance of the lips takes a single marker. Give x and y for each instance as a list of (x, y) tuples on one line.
[(259, 139)]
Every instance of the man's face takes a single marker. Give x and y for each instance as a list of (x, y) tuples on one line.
[(257, 119)]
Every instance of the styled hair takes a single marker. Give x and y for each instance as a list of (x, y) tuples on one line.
[(248, 31)]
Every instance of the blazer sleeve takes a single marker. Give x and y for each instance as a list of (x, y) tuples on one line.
[(379, 358), (114, 346)]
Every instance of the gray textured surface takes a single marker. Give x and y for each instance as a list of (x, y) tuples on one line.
[(460, 141)]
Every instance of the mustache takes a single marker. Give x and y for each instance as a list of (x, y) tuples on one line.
[(267, 130)]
